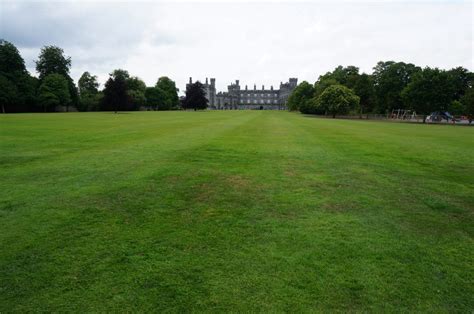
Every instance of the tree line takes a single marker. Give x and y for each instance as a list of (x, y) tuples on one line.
[(392, 85), (22, 92)]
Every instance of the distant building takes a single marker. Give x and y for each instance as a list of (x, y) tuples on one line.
[(237, 98)]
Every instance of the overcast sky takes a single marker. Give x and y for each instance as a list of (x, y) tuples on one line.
[(263, 43)]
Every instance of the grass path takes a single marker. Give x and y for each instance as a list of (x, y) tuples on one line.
[(241, 211)]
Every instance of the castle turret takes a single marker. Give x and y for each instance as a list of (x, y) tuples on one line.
[(254, 86), (293, 82), (207, 81), (190, 80), (263, 87), (213, 82)]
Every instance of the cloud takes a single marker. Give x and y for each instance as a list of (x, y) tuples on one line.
[(263, 43)]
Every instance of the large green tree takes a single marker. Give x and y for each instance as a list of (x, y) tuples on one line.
[(300, 96), (390, 78), (322, 83), (461, 79), (88, 84), (115, 92), (337, 99), (21, 85), (468, 103), (54, 91), (136, 92), (89, 95), (346, 76), (195, 96), (8, 93), (155, 98), (364, 88), (10, 58), (168, 87), (52, 60), (430, 90)]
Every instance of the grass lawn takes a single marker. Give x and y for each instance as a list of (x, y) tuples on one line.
[(234, 211)]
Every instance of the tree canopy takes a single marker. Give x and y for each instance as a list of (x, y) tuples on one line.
[(155, 98), (54, 91), (89, 95), (88, 84), (430, 90), (52, 60), (390, 78), (10, 59), (195, 96), (467, 101), (115, 92), (8, 93), (136, 92), (21, 93), (170, 93), (337, 99), (364, 88), (300, 96)]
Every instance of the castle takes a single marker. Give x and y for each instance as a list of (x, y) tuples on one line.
[(237, 98)]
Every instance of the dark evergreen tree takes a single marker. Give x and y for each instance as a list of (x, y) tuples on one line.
[(195, 97), (115, 92)]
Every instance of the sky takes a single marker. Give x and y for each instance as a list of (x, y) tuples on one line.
[(264, 42)]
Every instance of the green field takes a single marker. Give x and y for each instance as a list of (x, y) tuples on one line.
[(234, 211)]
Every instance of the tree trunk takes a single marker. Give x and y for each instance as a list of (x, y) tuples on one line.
[(424, 118), (334, 116), (3, 108)]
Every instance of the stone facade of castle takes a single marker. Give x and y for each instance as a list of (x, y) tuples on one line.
[(238, 98)]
